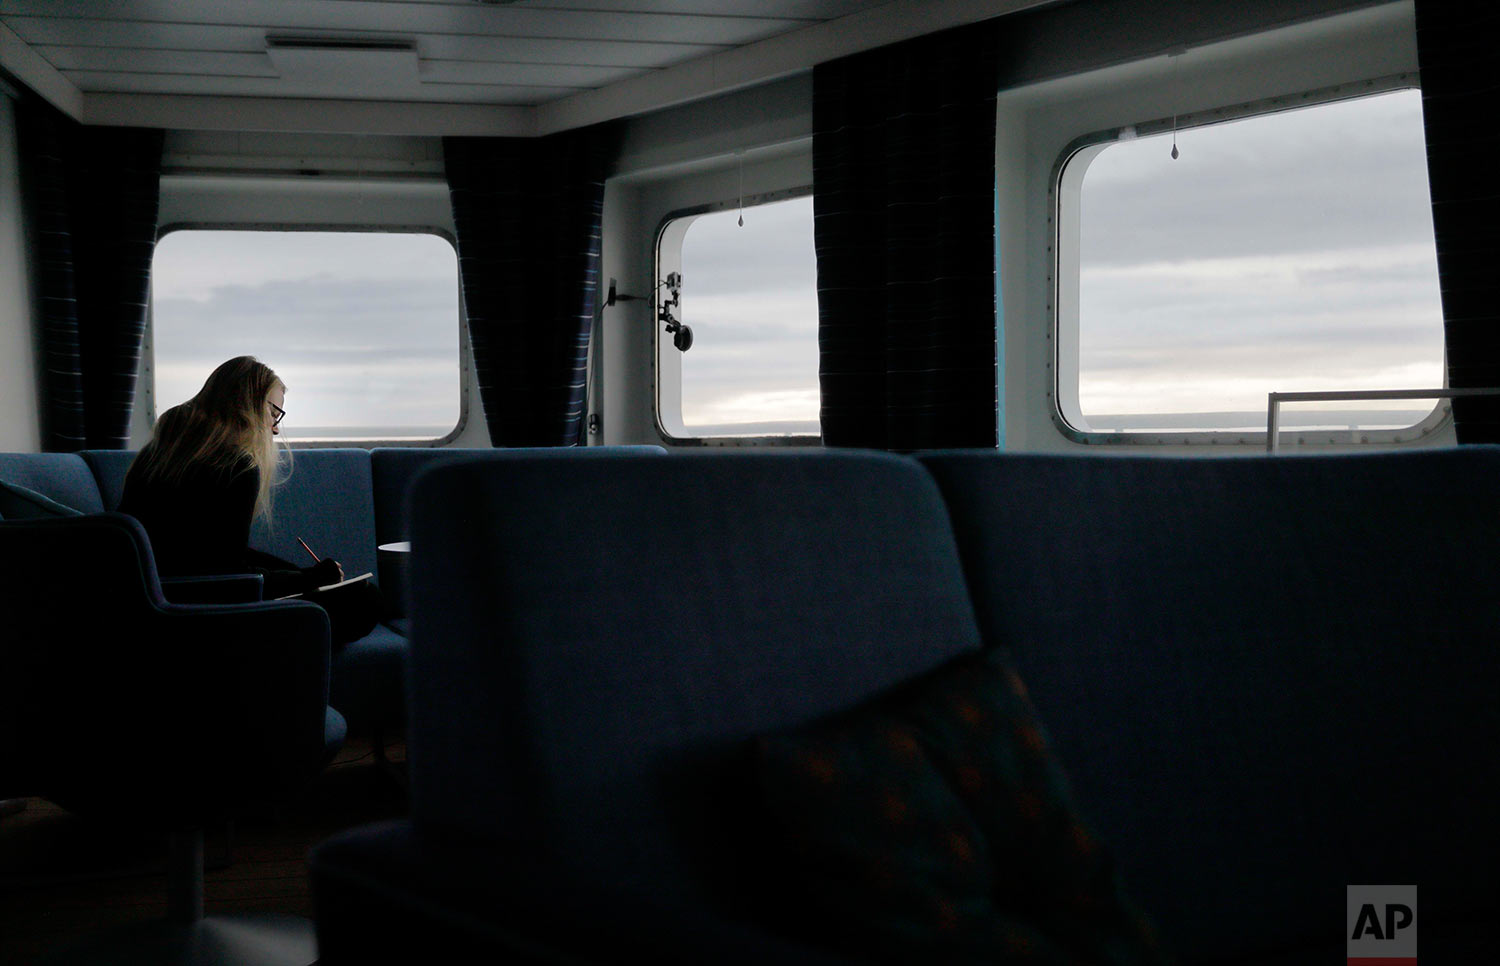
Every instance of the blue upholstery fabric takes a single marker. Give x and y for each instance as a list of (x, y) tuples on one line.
[(109, 467), (1268, 678), (393, 893), (63, 477), (327, 502), (335, 730), (596, 635), (222, 704), (214, 589), (393, 469), (369, 680), (19, 503)]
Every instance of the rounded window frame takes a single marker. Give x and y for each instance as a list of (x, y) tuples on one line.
[(666, 386), (1064, 186), (465, 361)]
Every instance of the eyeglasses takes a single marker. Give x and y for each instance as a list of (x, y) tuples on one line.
[(276, 413)]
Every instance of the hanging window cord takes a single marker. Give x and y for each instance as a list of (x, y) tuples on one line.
[(1173, 93), (740, 163)]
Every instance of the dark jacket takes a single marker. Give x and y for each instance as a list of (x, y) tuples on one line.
[(199, 523)]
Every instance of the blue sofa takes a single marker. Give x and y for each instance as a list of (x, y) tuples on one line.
[(222, 704), (344, 502), (1269, 679)]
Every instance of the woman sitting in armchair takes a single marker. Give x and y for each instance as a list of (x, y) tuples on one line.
[(208, 471)]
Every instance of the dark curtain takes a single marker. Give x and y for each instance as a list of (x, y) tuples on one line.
[(91, 195), (528, 214), (904, 227), (1456, 44)]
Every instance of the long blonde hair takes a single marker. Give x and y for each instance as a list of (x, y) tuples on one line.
[(224, 424)]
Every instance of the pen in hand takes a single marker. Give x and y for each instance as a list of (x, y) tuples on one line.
[(338, 571)]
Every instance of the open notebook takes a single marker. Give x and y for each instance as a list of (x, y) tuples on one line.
[(343, 583)]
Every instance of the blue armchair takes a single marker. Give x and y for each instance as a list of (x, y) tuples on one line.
[(595, 637), (223, 704)]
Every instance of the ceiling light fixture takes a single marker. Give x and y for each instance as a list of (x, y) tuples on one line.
[(321, 66)]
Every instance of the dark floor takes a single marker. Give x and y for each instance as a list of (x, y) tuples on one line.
[(63, 878)]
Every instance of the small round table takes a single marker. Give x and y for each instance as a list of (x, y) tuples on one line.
[(394, 559)]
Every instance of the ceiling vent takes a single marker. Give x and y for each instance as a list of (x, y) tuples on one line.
[(376, 67)]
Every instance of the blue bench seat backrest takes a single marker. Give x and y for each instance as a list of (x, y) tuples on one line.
[(394, 468), (63, 477), (1269, 678), (596, 635), (109, 467), (326, 501)]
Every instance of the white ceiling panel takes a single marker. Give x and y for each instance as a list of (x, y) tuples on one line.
[(540, 75), (569, 62), (135, 60), (799, 9), (372, 16), (87, 32), (75, 63), (111, 82), (91, 35)]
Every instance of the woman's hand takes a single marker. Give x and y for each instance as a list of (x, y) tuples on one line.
[(324, 572)]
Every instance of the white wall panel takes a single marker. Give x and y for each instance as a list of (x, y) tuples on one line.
[(20, 416)]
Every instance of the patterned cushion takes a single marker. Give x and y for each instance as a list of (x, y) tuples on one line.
[(933, 824), (19, 503)]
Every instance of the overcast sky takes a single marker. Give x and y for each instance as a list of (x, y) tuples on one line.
[(750, 294), (346, 320), (1281, 253), (1289, 252)]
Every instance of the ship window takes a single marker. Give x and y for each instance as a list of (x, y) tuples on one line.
[(749, 295), (363, 327), (1284, 251)]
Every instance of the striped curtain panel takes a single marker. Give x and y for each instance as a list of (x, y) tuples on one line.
[(1456, 44), (904, 228), (527, 213), (91, 196)]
